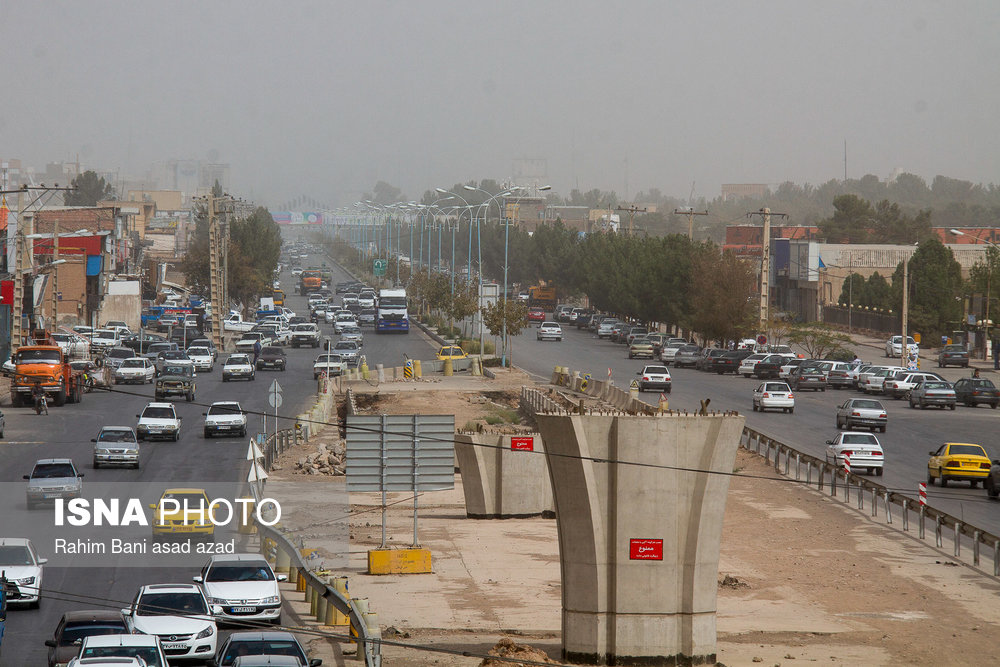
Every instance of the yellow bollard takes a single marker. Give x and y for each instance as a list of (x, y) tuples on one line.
[(362, 606), (321, 607), (339, 618), (364, 369), (417, 372), (449, 369), (282, 562)]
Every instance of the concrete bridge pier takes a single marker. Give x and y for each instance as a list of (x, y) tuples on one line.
[(639, 544)]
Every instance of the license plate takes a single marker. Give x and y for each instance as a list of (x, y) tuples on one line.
[(171, 646), (244, 610), (222, 428), (117, 458), (56, 495)]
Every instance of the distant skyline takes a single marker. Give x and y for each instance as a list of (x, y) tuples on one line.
[(324, 98)]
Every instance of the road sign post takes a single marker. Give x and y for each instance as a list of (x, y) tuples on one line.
[(379, 267), (274, 400)]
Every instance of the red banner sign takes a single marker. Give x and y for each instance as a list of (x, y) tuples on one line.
[(645, 549), (523, 443)]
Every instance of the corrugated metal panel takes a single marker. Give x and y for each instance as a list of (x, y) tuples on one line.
[(400, 452)]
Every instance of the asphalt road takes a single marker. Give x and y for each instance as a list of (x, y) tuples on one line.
[(193, 461), (910, 435)]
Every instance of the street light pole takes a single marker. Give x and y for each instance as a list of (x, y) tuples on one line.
[(989, 285)]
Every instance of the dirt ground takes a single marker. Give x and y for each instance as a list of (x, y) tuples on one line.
[(803, 578)]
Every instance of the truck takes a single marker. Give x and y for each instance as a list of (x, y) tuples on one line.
[(235, 323), (542, 296), (310, 281), (44, 363), (390, 313)]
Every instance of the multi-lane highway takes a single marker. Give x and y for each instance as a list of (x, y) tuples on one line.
[(193, 461)]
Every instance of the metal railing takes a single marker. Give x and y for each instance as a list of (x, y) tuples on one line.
[(277, 443), (789, 461), (536, 402)]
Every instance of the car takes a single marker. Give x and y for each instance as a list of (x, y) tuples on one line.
[(958, 461), (727, 362), (549, 331), (202, 358), (74, 626), (450, 352), (296, 271), (272, 356), (865, 412), (367, 317), (51, 479), (205, 342), (933, 392), (654, 377), (244, 586), (352, 335), (769, 366), (135, 370), (838, 375), (176, 379), (330, 364), (687, 355), (873, 382), (116, 446), (807, 375), (145, 647), (104, 339), (899, 384), (344, 319), (349, 351), (225, 418), (894, 346), (114, 356), (349, 299), (862, 449), (583, 319), (237, 366), (250, 339), (158, 420), (973, 391), (669, 349), (179, 615), (183, 514), (173, 357), (561, 313), (773, 395), (633, 333), (606, 327), (154, 349), (707, 357), (306, 333), (953, 355), (24, 571), (642, 347), (536, 314), (786, 369), (262, 643)]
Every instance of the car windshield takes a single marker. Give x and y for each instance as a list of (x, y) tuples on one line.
[(133, 363), (120, 354), (158, 413), (983, 384), (261, 647), (15, 554), (37, 357), (859, 439), (149, 654), (77, 631), (303, 327), (44, 470), (271, 350), (198, 352), (193, 500), (345, 345), (240, 571), (238, 360), (171, 604), (176, 370), (328, 358), (174, 354), (105, 333), (867, 404), (116, 435), (160, 347), (936, 385), (229, 409), (392, 302), (954, 348), (970, 450)]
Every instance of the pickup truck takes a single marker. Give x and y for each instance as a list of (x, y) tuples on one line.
[(305, 334), (245, 344), (235, 322)]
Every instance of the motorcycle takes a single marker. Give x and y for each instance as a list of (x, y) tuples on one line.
[(42, 404)]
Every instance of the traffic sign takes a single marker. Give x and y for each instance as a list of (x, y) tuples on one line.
[(275, 388), (379, 266), (274, 400), (762, 339), (634, 384), (253, 452)]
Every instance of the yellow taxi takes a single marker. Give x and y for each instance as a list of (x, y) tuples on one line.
[(958, 461), (171, 522), (451, 352)]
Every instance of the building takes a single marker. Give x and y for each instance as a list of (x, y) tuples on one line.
[(525, 212), (573, 217), (744, 191)]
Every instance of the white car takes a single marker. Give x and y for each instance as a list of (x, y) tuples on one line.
[(23, 569), (296, 271), (549, 331), (894, 346), (146, 647), (244, 586), (179, 615), (104, 339), (873, 382), (773, 396), (331, 364), (786, 370), (899, 384), (135, 370), (117, 446), (863, 449), (654, 377), (305, 334), (158, 420), (237, 366), (225, 418), (668, 351), (344, 319), (107, 662), (202, 358), (748, 364)]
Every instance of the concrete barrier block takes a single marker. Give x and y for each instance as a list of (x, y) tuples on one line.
[(399, 561)]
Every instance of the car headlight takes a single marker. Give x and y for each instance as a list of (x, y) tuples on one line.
[(274, 599), (27, 581), (103, 451), (207, 632)]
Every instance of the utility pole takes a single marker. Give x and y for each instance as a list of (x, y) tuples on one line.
[(215, 273), (631, 210), (904, 351), (690, 213), (55, 277), (765, 261)]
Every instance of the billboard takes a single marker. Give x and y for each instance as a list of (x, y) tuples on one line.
[(297, 217)]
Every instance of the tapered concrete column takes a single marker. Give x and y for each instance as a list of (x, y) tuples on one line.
[(639, 544), (503, 476)]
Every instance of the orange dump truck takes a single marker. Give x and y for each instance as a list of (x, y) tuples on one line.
[(310, 281), (45, 364)]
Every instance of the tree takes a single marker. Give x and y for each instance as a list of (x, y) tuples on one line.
[(852, 218), (853, 291), (935, 287), (984, 277), (510, 316), (89, 188), (383, 194), (818, 340), (725, 308)]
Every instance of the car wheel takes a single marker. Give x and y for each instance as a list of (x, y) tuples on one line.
[(952, 406), (991, 490), (930, 478), (881, 429), (912, 404), (96, 464), (755, 407), (878, 472), (791, 410), (944, 482), (225, 379), (838, 423), (243, 433)]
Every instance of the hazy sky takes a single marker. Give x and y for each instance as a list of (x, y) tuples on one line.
[(325, 98)]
